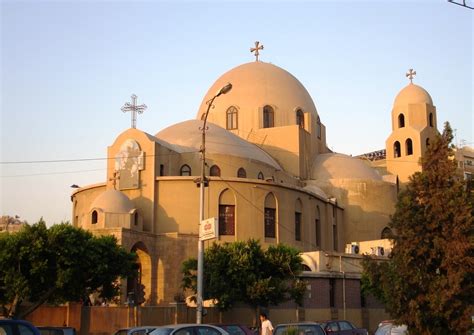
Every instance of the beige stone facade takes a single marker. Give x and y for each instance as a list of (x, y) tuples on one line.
[(272, 178)]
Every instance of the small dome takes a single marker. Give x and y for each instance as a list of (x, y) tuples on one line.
[(113, 201), (316, 190), (412, 94), (186, 137), (255, 85), (339, 166)]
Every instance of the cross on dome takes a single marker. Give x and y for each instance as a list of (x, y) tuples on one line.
[(133, 108), (410, 74), (255, 50)]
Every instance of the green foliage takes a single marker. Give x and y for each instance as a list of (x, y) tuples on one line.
[(244, 272), (56, 265), (428, 282)]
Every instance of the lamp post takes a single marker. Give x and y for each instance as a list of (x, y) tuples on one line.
[(200, 265)]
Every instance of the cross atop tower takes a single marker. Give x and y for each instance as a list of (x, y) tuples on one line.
[(133, 108), (255, 50), (410, 74)]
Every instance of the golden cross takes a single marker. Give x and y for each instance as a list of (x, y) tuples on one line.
[(116, 176), (257, 47), (410, 74)]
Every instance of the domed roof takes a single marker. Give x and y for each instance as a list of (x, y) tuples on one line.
[(412, 94), (315, 189), (339, 166), (255, 85), (113, 201), (186, 137)]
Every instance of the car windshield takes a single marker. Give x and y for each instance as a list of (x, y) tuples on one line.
[(162, 331), (299, 330)]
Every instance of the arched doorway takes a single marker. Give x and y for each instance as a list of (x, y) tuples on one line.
[(139, 285)]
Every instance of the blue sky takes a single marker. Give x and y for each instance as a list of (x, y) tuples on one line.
[(68, 66)]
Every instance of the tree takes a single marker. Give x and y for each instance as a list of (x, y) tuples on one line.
[(56, 265), (244, 272), (428, 281)]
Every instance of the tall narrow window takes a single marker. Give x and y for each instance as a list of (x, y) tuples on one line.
[(335, 237), (431, 120), (215, 171), (427, 142), (241, 173), (318, 127), (227, 213), (298, 211), (260, 176), (401, 121), (270, 216), (300, 118), (332, 289), (185, 170), (396, 149), (268, 117), (409, 147), (318, 227), (297, 226), (226, 219), (162, 170), (232, 117), (94, 218)]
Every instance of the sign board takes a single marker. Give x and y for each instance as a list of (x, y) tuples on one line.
[(208, 229)]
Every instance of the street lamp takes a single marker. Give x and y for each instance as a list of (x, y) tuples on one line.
[(200, 265)]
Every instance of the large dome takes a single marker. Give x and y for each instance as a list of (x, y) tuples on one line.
[(113, 201), (339, 166), (412, 94), (186, 137), (255, 85)]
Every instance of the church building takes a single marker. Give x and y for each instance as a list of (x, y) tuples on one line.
[(271, 177)]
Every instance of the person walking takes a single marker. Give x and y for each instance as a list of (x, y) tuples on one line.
[(267, 327)]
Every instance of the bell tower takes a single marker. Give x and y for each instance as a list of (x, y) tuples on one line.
[(414, 125)]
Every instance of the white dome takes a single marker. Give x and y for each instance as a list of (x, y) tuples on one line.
[(255, 85), (339, 166), (186, 137), (113, 201)]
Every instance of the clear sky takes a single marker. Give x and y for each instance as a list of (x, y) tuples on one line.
[(68, 66)]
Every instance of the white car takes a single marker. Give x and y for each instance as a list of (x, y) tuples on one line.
[(389, 328)]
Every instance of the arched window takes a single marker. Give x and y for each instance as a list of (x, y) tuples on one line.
[(318, 226), (300, 118), (401, 121), (386, 233), (298, 211), (409, 147), (306, 268), (270, 216), (260, 176), (427, 142), (318, 127), (241, 173), (94, 218), (431, 120), (232, 117), (185, 170), (396, 149), (268, 117), (215, 171), (135, 218), (227, 213)]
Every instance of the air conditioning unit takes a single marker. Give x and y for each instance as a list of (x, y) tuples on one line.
[(378, 251), (352, 248)]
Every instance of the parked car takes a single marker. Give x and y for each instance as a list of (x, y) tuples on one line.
[(299, 328), (17, 327), (189, 329), (236, 329), (57, 330), (342, 327), (144, 330), (389, 328)]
